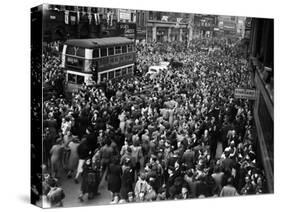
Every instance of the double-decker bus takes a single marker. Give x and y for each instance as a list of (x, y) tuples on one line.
[(97, 59)]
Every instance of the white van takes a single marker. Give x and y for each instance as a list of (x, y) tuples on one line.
[(154, 70)]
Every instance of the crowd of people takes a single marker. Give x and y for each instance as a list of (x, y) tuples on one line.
[(179, 135), (53, 74)]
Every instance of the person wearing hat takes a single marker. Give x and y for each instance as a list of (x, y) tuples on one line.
[(162, 193), (83, 151), (114, 176), (188, 158), (229, 189), (127, 180), (90, 180), (106, 154), (131, 197), (91, 137), (141, 187), (184, 192), (227, 163), (56, 153), (73, 156), (150, 194), (248, 188), (126, 156), (172, 175), (233, 150), (137, 156)]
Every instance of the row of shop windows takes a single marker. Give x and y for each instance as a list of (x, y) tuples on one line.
[(162, 34)]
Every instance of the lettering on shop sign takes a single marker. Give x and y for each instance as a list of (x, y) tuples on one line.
[(241, 93)]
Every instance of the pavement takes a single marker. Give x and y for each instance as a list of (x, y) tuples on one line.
[(72, 191)]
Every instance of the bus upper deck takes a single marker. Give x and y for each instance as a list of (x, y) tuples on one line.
[(97, 59)]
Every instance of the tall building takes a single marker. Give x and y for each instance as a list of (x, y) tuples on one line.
[(167, 26), (127, 23), (141, 21), (64, 22), (204, 26), (227, 26), (261, 63), (241, 26)]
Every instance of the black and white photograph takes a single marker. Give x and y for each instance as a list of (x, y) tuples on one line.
[(144, 105)]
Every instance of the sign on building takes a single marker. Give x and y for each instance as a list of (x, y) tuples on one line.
[(127, 30), (124, 15), (241, 93)]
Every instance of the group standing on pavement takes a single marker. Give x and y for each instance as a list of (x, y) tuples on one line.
[(179, 135)]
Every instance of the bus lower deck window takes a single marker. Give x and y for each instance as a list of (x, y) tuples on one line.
[(80, 80), (72, 78), (103, 77)]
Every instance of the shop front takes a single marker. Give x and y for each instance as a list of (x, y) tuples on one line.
[(162, 34)]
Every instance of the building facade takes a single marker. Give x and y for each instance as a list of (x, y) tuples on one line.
[(126, 19), (241, 26), (204, 26), (63, 22), (227, 26), (167, 26), (141, 21), (261, 63)]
